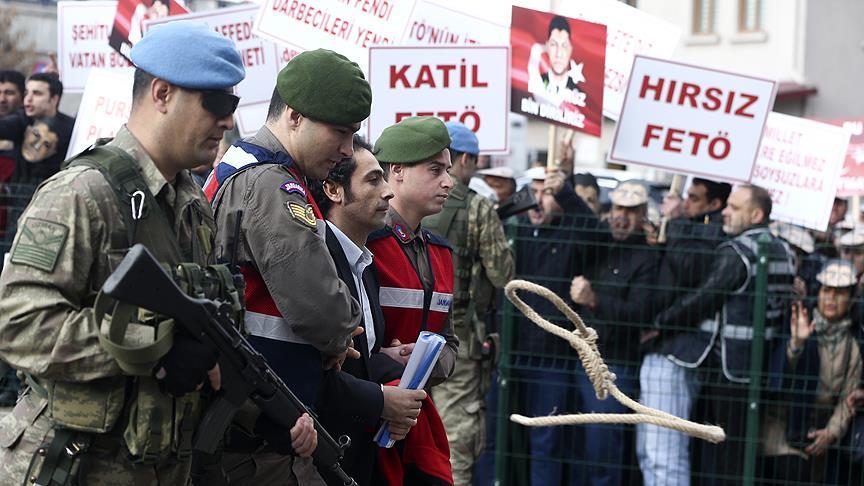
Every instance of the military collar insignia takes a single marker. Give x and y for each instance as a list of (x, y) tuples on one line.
[(293, 187), (400, 232), (302, 213)]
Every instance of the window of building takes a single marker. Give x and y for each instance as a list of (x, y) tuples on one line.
[(749, 15), (703, 17)]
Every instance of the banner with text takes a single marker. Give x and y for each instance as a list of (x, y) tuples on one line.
[(432, 24), (348, 27), (82, 42), (557, 69), (692, 120), (629, 31), (852, 175), (467, 84), (104, 108), (262, 59), (799, 163)]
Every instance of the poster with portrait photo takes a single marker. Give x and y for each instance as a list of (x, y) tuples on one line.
[(557, 69), (129, 20)]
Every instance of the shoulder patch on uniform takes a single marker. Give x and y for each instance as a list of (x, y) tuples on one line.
[(39, 244), (293, 187), (304, 214), (434, 239), (401, 233)]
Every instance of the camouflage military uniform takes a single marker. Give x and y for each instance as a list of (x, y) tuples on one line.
[(71, 237), (482, 260)]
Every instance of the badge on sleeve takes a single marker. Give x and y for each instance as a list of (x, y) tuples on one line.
[(293, 187), (39, 244), (304, 214)]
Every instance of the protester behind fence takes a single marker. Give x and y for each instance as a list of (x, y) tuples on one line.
[(826, 241), (39, 131), (713, 357), (811, 373), (614, 297), (11, 99), (808, 263)]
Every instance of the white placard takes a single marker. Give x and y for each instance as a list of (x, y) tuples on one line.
[(104, 108), (437, 25), (262, 59), (692, 120), (348, 27), (82, 42), (468, 84), (799, 163), (629, 31)]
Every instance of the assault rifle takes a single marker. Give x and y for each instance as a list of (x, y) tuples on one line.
[(141, 280)]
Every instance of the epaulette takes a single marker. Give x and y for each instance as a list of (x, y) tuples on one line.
[(435, 239)]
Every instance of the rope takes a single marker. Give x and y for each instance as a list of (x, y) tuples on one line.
[(584, 340)]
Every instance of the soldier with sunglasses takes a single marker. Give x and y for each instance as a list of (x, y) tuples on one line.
[(93, 412)]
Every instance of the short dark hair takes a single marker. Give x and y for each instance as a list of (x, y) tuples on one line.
[(760, 198), (455, 154), (340, 174), (558, 23), (277, 106), (586, 180), (140, 84), (714, 190), (55, 87), (14, 77)]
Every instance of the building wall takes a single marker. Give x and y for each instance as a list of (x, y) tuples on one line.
[(834, 58)]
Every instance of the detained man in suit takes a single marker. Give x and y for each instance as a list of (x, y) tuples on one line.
[(354, 200)]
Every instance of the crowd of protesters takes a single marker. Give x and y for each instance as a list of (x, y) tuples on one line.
[(674, 314)]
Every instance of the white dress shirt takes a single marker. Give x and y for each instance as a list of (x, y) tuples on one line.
[(358, 259)]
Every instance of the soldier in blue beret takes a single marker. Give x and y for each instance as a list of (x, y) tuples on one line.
[(91, 413)]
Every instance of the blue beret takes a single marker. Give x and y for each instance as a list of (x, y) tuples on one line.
[(189, 55), (463, 139)]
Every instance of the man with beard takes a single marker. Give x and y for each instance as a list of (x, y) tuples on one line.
[(39, 131), (615, 298)]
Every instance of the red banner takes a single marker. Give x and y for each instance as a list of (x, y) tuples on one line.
[(557, 69), (131, 14), (852, 174)]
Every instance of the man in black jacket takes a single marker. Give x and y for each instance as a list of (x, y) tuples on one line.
[(689, 253), (615, 298), (354, 200)]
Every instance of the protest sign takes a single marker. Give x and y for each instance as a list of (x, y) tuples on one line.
[(852, 174), (104, 108), (557, 69), (799, 163), (348, 27), (262, 59), (467, 84), (129, 20), (692, 120), (434, 25), (82, 42), (629, 31)]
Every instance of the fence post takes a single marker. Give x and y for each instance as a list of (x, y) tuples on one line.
[(757, 351), (502, 434)]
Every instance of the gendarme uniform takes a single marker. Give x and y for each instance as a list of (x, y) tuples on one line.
[(415, 270), (83, 410), (482, 261)]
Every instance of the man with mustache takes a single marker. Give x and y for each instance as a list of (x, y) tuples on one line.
[(614, 297)]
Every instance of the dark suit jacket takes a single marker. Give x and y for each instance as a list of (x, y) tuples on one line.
[(351, 401)]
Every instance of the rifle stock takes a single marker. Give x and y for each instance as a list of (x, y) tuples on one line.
[(142, 281)]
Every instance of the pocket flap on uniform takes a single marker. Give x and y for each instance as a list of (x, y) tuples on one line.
[(22, 416)]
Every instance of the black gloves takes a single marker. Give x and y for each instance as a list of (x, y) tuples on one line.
[(186, 364)]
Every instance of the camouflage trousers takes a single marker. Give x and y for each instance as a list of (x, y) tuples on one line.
[(460, 402), (27, 430)]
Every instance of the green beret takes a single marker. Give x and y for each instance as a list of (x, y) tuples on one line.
[(412, 140), (325, 86)]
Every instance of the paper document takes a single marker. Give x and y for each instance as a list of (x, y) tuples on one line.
[(427, 349)]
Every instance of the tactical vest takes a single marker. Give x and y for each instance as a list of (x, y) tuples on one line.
[(735, 321), (407, 308), (152, 425)]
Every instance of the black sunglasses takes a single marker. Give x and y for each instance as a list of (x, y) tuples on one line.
[(219, 103)]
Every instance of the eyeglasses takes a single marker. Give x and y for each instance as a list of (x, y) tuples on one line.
[(219, 103)]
